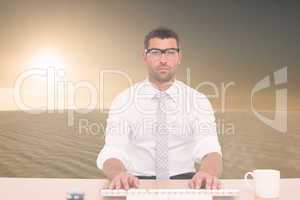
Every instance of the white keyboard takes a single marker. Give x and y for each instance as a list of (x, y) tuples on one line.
[(190, 194)]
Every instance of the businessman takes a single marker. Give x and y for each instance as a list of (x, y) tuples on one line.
[(160, 127)]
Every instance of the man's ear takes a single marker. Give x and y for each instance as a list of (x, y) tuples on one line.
[(144, 56), (180, 57)]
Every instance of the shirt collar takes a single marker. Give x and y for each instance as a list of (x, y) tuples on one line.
[(173, 91)]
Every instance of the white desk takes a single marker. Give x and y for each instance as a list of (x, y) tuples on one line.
[(56, 189)]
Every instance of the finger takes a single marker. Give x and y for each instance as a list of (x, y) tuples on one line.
[(124, 181), (112, 185), (193, 182), (117, 184), (198, 182), (130, 181), (208, 182), (215, 182), (136, 182)]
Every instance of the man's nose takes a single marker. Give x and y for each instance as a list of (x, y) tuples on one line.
[(163, 58)]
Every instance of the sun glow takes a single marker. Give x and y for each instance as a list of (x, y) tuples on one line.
[(48, 58)]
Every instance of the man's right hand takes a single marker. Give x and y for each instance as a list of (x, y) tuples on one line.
[(124, 180)]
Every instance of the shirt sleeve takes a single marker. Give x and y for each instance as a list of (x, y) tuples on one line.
[(204, 129), (116, 135)]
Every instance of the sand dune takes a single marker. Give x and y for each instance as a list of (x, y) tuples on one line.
[(44, 146)]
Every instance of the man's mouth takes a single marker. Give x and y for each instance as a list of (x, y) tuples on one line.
[(163, 69)]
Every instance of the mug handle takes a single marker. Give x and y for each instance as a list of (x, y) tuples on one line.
[(247, 180)]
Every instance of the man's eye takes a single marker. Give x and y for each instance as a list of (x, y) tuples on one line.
[(155, 52), (171, 52)]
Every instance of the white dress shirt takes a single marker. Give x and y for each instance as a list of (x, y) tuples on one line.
[(131, 123)]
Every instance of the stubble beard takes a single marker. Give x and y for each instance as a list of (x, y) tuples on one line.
[(163, 78)]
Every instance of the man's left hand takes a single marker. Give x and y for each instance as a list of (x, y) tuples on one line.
[(203, 179)]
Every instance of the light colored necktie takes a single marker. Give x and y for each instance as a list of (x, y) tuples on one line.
[(162, 151)]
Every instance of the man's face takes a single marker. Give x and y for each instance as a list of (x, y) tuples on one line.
[(162, 66)]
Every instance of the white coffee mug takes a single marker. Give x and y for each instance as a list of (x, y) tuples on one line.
[(266, 182)]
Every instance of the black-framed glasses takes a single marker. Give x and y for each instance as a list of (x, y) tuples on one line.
[(156, 53)]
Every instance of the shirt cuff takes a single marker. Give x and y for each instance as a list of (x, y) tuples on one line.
[(111, 152), (207, 145)]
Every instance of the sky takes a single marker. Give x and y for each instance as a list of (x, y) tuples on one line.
[(233, 43)]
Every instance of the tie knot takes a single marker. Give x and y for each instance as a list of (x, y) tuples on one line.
[(160, 96)]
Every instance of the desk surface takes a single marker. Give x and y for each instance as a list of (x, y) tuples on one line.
[(50, 189)]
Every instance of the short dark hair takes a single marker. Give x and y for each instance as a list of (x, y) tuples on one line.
[(162, 33)]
